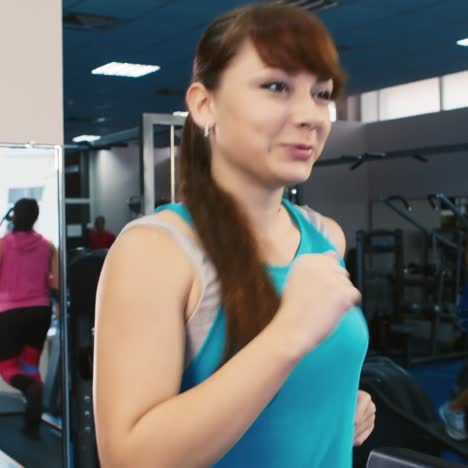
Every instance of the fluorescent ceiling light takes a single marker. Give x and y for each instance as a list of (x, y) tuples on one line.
[(180, 113), (131, 70), (88, 138), (463, 42)]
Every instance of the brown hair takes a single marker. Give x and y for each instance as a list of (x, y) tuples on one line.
[(285, 37)]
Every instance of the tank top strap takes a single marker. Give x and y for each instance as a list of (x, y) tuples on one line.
[(187, 245), (312, 223), (204, 315), (178, 208)]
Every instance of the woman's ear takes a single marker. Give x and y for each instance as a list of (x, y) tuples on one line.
[(200, 105)]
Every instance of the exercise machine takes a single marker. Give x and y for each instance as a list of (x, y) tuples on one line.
[(83, 274), (405, 416), (14, 444), (409, 328)]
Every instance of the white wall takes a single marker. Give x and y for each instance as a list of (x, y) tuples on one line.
[(114, 176), (446, 173), (345, 195), (162, 173), (31, 94)]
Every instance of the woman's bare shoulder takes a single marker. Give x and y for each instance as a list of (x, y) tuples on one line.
[(167, 218)]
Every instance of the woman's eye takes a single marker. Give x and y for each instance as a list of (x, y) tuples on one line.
[(276, 86), (323, 95)]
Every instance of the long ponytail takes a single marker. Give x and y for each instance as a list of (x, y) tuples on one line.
[(249, 297)]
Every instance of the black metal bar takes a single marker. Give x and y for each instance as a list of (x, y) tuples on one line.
[(431, 199), (441, 357), (453, 208), (406, 153), (389, 202), (428, 232), (459, 267), (64, 316)]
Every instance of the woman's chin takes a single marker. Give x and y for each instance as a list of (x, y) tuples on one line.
[(296, 177)]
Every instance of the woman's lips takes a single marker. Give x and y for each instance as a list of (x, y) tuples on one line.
[(299, 152)]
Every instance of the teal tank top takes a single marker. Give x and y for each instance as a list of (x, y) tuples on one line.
[(310, 421)]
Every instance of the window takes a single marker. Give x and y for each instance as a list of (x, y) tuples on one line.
[(14, 194), (419, 97), (370, 106), (332, 109), (455, 90), (416, 98)]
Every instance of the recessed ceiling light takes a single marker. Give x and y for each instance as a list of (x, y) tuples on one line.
[(180, 113), (88, 138), (131, 70), (463, 42)]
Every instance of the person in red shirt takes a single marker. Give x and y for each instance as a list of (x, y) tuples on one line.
[(99, 238)]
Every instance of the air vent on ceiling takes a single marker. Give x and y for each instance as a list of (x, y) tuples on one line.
[(311, 5), (169, 92), (80, 119), (88, 22)]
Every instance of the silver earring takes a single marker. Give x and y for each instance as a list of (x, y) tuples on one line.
[(207, 130)]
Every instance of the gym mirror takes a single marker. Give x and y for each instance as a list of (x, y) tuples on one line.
[(30, 332)]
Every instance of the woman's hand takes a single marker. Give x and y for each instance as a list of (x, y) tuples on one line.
[(318, 293), (364, 419)]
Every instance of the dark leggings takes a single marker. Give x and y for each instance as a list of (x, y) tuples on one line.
[(22, 336)]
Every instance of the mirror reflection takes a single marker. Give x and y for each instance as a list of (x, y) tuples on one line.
[(30, 383)]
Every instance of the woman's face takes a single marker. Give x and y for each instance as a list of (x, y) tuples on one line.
[(270, 126)]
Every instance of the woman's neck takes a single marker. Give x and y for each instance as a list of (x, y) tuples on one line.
[(261, 205)]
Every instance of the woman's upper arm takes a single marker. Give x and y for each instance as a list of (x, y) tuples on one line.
[(54, 267), (140, 330)]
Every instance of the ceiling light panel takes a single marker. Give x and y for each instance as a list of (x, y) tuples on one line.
[(88, 138), (130, 70)]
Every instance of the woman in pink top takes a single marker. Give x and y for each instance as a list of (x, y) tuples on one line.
[(28, 273)]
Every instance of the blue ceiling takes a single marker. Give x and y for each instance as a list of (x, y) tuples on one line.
[(382, 43)]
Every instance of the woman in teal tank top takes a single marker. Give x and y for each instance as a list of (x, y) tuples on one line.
[(273, 381), (302, 419)]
